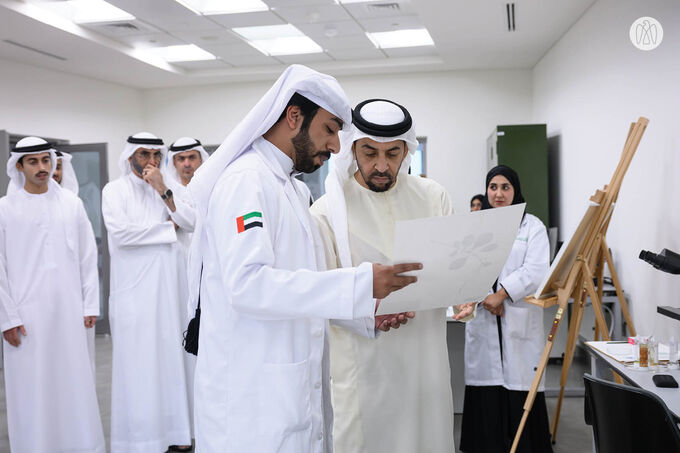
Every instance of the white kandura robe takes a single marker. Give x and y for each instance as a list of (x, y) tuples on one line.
[(392, 394), (188, 310), (48, 284), (149, 408)]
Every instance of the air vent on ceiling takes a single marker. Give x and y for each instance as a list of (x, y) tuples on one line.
[(383, 8), (127, 26), (33, 49), (510, 12)]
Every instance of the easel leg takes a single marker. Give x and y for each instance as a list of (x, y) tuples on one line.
[(574, 329), (540, 370), (619, 291)]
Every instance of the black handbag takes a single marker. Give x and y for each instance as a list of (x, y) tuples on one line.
[(190, 342)]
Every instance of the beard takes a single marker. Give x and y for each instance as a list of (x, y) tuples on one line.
[(379, 188), (305, 154), (136, 166)]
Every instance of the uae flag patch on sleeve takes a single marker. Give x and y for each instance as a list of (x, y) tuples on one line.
[(250, 220)]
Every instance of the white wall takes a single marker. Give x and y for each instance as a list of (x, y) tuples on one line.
[(38, 101), (456, 111), (588, 89)]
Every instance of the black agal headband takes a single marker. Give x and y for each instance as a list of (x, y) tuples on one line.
[(145, 141), (380, 130), (185, 147), (32, 149)]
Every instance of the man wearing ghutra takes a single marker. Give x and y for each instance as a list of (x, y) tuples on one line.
[(262, 381), (185, 155), (49, 298), (149, 406), (64, 173), (367, 192)]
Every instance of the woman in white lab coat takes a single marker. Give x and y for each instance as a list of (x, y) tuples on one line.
[(503, 344)]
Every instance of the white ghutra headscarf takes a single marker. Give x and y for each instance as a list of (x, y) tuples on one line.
[(25, 147), (380, 120), (319, 88)]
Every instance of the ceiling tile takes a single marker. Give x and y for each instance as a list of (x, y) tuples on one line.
[(209, 37), (250, 60), (366, 53), (281, 3), (372, 10), (198, 65), (326, 29), (391, 23), (306, 58), (151, 40), (411, 51), (247, 19), (312, 13), (237, 49), (345, 42)]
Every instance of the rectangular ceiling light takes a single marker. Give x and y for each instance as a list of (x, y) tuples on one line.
[(189, 52), (401, 38), (87, 11), (211, 7), (273, 40)]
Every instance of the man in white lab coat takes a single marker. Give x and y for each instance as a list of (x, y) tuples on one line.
[(49, 298), (262, 382), (367, 192), (149, 406)]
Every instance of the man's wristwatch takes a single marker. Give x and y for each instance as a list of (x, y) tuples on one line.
[(167, 194)]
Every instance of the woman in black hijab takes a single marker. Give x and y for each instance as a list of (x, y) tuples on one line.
[(476, 202), (503, 344)]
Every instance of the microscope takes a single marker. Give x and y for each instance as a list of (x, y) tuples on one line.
[(666, 260)]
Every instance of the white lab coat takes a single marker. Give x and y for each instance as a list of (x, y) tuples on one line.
[(149, 408), (413, 363), (262, 375), (49, 283), (521, 323)]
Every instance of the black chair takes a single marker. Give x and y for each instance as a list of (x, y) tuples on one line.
[(629, 419)]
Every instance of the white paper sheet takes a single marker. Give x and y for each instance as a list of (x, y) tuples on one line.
[(462, 256)]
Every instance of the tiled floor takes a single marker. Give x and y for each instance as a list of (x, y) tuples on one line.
[(573, 437)]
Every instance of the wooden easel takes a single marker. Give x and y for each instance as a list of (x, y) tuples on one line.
[(571, 276)]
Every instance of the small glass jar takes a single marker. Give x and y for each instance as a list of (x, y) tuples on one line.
[(653, 353), (643, 353), (673, 353)]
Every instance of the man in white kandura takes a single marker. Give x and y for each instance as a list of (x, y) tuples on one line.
[(65, 176), (49, 298), (149, 406), (262, 382), (185, 155), (367, 192)]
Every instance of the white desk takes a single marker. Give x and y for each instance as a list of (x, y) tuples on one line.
[(639, 378)]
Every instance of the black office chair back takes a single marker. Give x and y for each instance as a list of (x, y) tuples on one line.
[(628, 419)]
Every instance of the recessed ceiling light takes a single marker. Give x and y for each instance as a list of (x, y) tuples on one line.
[(210, 7), (87, 11), (401, 38), (188, 52), (275, 40)]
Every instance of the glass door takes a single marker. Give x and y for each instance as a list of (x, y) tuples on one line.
[(90, 164)]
